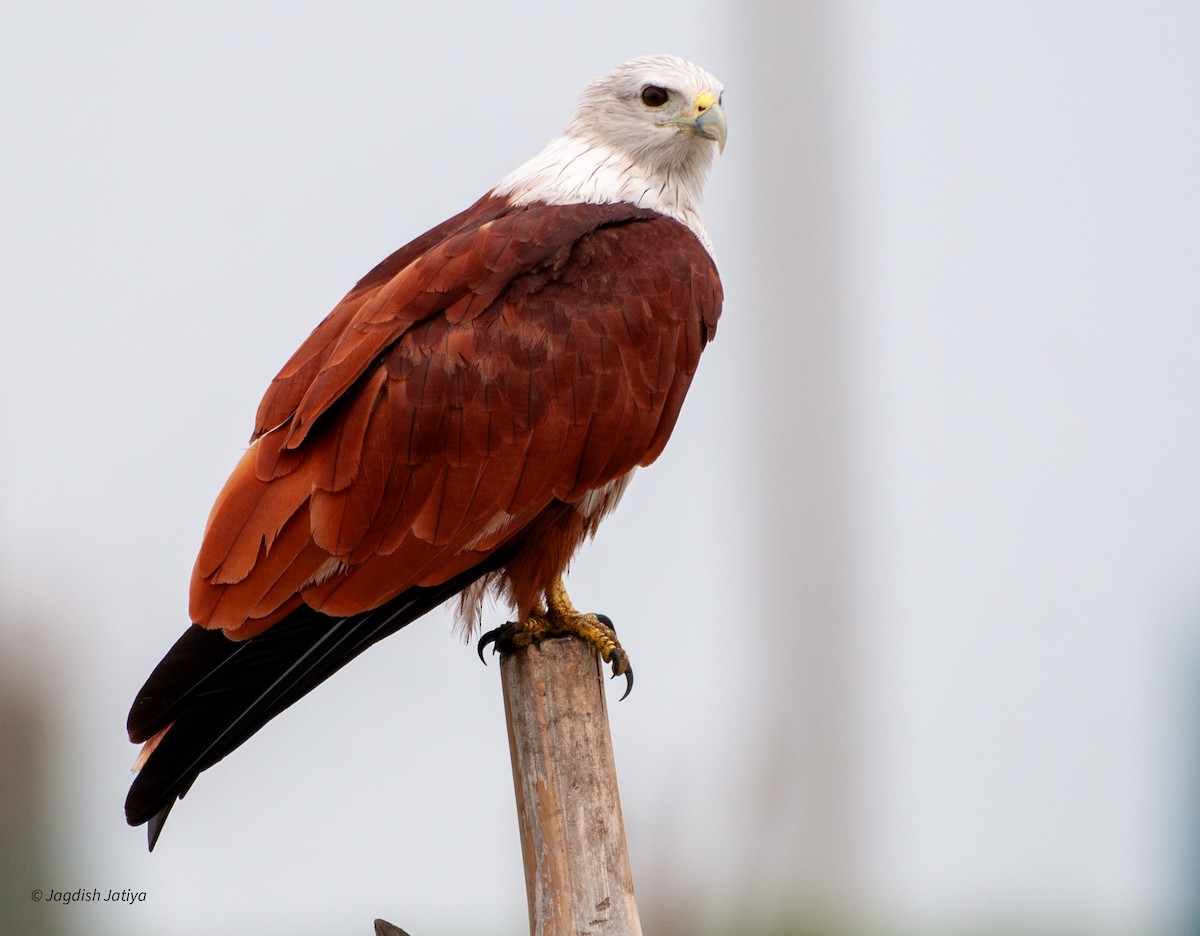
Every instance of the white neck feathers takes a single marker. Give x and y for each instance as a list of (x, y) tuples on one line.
[(573, 169)]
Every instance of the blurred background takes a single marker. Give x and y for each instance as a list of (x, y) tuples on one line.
[(913, 595)]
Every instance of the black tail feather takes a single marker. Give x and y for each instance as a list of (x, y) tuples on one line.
[(215, 693)]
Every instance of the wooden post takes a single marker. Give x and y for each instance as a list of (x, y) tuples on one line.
[(577, 874)]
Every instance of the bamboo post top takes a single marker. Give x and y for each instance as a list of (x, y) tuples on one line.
[(577, 873)]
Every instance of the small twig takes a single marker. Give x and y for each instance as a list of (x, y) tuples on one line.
[(577, 874), (384, 928)]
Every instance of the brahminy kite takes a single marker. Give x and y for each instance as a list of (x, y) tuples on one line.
[(459, 423)]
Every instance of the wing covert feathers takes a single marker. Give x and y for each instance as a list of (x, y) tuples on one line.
[(506, 360)]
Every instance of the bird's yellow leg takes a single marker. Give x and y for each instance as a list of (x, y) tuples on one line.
[(559, 618)]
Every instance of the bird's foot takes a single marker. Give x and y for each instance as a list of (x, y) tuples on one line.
[(560, 619)]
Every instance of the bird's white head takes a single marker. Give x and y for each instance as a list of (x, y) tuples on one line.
[(645, 133), (659, 110)]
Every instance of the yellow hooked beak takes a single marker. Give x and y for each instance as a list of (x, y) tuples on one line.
[(707, 120)]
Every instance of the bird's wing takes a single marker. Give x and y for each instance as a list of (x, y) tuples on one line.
[(521, 356)]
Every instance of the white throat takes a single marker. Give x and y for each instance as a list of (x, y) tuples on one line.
[(572, 169)]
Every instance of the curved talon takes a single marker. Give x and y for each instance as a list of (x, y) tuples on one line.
[(494, 637), (484, 640), (628, 680), (617, 658)]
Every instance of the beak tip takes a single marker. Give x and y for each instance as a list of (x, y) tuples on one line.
[(713, 122)]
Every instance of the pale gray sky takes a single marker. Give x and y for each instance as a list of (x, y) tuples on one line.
[(914, 593)]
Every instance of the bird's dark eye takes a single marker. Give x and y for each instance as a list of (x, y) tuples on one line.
[(654, 96)]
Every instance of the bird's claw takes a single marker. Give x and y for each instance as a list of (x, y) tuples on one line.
[(500, 639), (512, 636), (617, 657)]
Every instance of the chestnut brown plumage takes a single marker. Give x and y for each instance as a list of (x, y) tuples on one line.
[(464, 417)]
